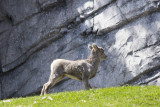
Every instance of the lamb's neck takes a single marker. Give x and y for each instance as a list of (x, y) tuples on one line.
[(93, 60)]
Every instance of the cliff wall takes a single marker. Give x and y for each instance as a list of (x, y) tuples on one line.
[(35, 32)]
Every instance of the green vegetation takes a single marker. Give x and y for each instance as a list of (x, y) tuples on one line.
[(125, 96)]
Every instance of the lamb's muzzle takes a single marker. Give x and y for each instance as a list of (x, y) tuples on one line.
[(81, 70)]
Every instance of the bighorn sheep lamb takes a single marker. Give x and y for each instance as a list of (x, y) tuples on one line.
[(81, 70)]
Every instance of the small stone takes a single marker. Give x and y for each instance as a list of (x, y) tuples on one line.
[(81, 17), (158, 4), (6, 101), (54, 30), (88, 31), (78, 19), (95, 31), (49, 98), (63, 30), (99, 32), (70, 26)]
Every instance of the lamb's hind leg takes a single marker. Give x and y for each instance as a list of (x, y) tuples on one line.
[(52, 81), (45, 87)]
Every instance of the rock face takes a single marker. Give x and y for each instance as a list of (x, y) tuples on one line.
[(35, 32)]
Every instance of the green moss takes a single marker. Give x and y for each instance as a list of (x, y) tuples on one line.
[(125, 96)]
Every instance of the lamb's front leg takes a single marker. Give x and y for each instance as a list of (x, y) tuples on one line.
[(86, 83)]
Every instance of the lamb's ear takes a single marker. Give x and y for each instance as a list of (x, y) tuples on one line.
[(94, 46), (90, 46)]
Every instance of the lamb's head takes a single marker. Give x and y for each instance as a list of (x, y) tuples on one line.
[(97, 51)]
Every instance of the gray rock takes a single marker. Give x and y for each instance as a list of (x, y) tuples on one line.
[(34, 33), (78, 20), (2, 14), (63, 30), (20, 10), (82, 17), (46, 4), (88, 31)]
